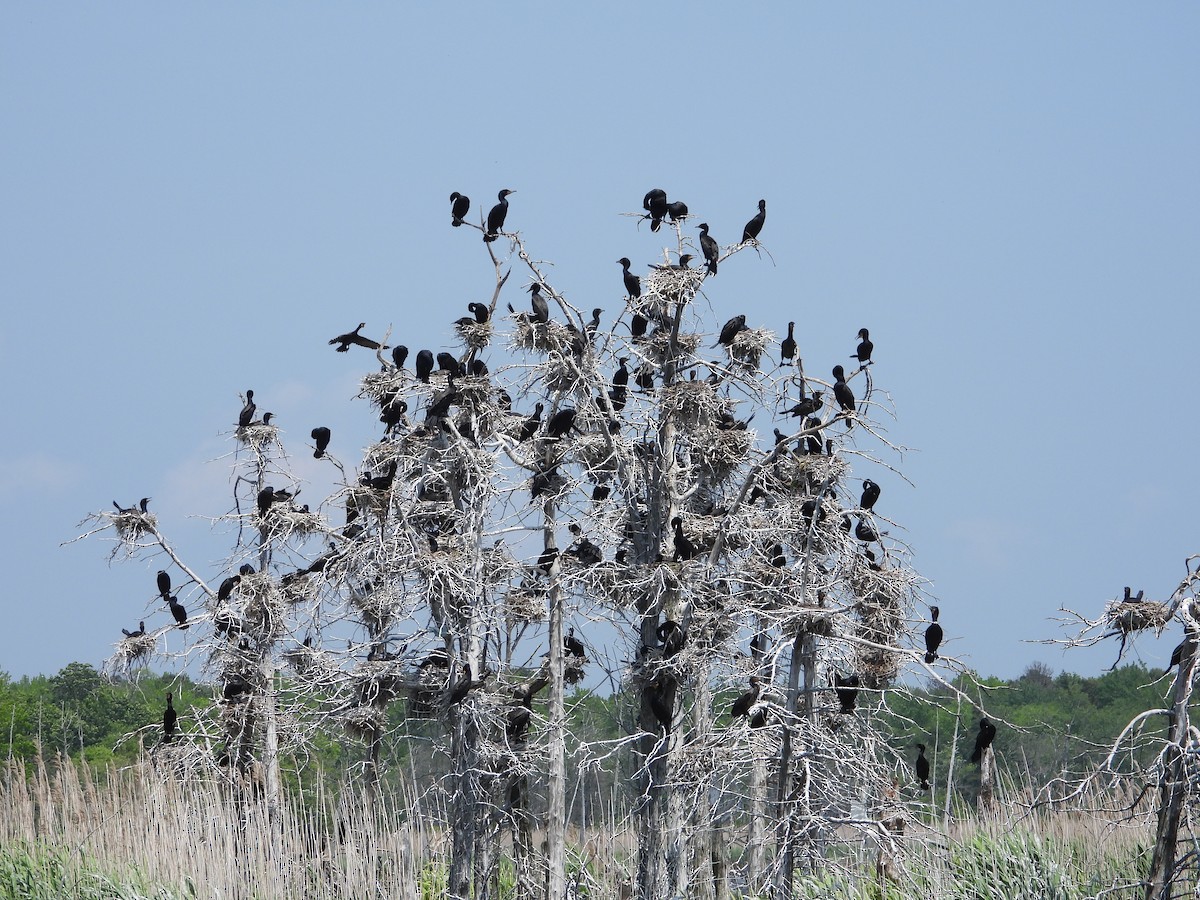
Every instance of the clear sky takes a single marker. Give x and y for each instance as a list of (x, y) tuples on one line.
[(195, 197)]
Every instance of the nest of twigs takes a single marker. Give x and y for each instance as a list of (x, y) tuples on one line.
[(545, 337), (131, 524), (675, 285), (720, 451), (526, 603), (658, 348), (382, 387), (693, 403), (748, 345), (264, 608), (560, 373), (257, 436), (475, 335), (130, 652), (1126, 617), (880, 622), (283, 522), (364, 722)]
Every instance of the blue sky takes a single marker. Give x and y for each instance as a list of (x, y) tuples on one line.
[(196, 197)]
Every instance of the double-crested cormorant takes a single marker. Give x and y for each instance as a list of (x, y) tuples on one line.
[(1176, 656), (863, 353), (541, 309), (870, 493), (547, 559), (424, 365), (660, 695), (787, 347), (933, 636), (245, 569), (777, 556), (644, 379), (382, 482), (480, 311), (812, 442), (731, 329), (458, 693), (531, 424), (447, 363), (266, 497), (672, 635), (141, 629), (847, 692), (246, 416), (399, 355), (684, 548), (495, 218), (633, 284), (460, 205), (227, 586), (353, 337), (140, 507), (921, 766), (710, 248), (808, 405), (572, 645), (164, 584), (561, 422), (865, 532), (987, 734), (320, 435), (842, 392), (621, 376), (655, 204), (178, 612), (741, 706), (754, 226), (685, 260), (677, 210), (520, 711), (392, 413), (170, 718)]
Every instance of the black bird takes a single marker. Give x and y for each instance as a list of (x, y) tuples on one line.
[(531, 424), (572, 646), (480, 311), (661, 698), (246, 569), (741, 706), (777, 556), (637, 327), (808, 405), (235, 687), (621, 376), (392, 413), (424, 365), (684, 548), (164, 584), (754, 226), (547, 559), (677, 210), (458, 693), (787, 348), (922, 767), (1128, 598), (447, 363), (731, 329), (399, 355), (673, 636), (1176, 656), (495, 219), (863, 353), (593, 323), (600, 492), (541, 309), (684, 263), (170, 717), (479, 368), (655, 204), (987, 734), (460, 205), (227, 586), (812, 442), (141, 629), (561, 422), (246, 416), (321, 435), (870, 493), (265, 498), (178, 612), (633, 284), (353, 337), (933, 636), (847, 692), (382, 482), (842, 392), (519, 714), (710, 248)]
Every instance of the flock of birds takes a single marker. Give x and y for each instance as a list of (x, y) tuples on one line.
[(393, 411)]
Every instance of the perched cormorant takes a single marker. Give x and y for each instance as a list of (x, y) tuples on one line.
[(777, 556), (672, 635), (684, 548), (164, 584), (140, 507), (637, 327), (808, 405), (141, 629), (633, 284), (710, 248), (353, 337), (541, 309), (266, 497), (480, 311), (677, 210), (922, 767), (170, 717), (531, 424), (547, 559), (227, 586), (600, 492), (561, 422), (399, 355), (460, 205), (987, 734), (382, 482), (842, 392), (246, 416), (660, 694), (424, 365), (787, 348), (479, 368), (754, 226), (685, 260), (621, 376), (655, 204), (572, 646), (495, 218), (178, 612), (847, 692), (458, 693), (520, 712), (644, 378), (320, 435), (863, 353), (865, 532), (741, 706), (870, 493), (731, 329), (812, 443), (933, 636), (1176, 656), (392, 413), (447, 363)]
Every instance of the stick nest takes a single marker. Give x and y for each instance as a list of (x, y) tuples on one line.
[(748, 346), (475, 335), (132, 524), (545, 337), (258, 436), (1138, 615)]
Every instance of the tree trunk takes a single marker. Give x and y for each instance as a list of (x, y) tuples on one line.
[(556, 812)]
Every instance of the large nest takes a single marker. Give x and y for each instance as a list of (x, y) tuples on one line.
[(526, 603), (475, 335), (674, 284), (264, 608), (658, 348), (382, 388), (748, 346), (880, 622), (1127, 616), (284, 521), (130, 652), (258, 435), (693, 403), (720, 451), (132, 524), (364, 722), (546, 337)]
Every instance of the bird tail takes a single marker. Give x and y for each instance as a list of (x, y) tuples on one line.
[(930, 657), (924, 785), (456, 222), (655, 224), (317, 454), (977, 756), (712, 267), (488, 238)]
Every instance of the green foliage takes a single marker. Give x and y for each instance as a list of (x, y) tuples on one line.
[(40, 872)]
